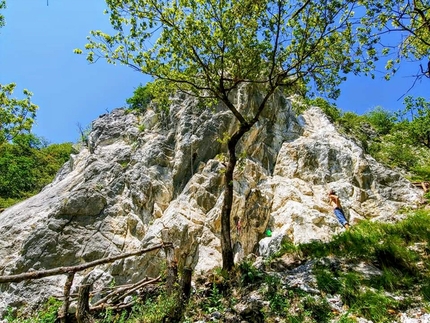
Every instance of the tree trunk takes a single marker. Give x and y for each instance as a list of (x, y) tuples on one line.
[(245, 126), (226, 247)]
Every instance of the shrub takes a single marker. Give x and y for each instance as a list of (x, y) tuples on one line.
[(141, 98)]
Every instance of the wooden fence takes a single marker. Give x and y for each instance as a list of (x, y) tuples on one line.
[(83, 309)]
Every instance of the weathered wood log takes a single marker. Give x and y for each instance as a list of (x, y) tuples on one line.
[(65, 270), (62, 313), (130, 289), (171, 277), (172, 266), (425, 186), (176, 313), (186, 283), (83, 308)]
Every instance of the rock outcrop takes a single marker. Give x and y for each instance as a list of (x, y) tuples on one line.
[(141, 174)]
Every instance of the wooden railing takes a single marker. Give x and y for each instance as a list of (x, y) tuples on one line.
[(83, 309)]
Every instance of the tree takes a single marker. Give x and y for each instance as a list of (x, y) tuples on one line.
[(417, 110), (142, 96), (381, 119), (27, 165), (209, 48), (16, 115)]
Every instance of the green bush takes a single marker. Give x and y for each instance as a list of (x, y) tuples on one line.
[(26, 166), (317, 308), (249, 274), (141, 98), (382, 120), (374, 306), (47, 313), (278, 302)]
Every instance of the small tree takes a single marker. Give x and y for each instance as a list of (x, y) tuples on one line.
[(141, 98), (417, 110), (208, 48), (382, 120), (16, 115)]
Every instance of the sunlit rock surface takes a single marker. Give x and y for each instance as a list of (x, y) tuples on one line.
[(141, 174)]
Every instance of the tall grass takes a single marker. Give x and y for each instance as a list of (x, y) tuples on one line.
[(399, 251)]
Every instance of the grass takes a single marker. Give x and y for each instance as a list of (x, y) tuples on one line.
[(47, 313), (399, 254)]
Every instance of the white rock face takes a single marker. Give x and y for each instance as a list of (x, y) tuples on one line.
[(142, 174)]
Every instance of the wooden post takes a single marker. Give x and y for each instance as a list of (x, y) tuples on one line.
[(186, 283), (62, 313), (172, 266), (83, 308)]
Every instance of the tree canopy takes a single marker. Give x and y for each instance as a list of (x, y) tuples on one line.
[(210, 48), (207, 48)]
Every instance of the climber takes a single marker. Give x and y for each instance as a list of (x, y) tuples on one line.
[(337, 209), (238, 225)]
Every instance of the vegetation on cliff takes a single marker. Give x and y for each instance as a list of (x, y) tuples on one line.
[(375, 271), (27, 164), (398, 140)]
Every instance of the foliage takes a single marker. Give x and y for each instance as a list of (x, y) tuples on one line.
[(84, 133), (47, 313), (153, 309), (421, 173), (418, 111), (249, 274), (278, 302), (213, 302), (394, 139), (2, 6), (26, 166), (392, 249), (382, 120), (16, 115), (326, 280), (407, 23), (141, 98), (209, 49), (388, 246), (318, 308)]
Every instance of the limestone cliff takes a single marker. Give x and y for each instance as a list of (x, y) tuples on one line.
[(140, 174)]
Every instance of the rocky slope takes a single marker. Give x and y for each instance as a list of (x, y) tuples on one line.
[(140, 174)]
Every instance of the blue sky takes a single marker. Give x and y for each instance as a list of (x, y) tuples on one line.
[(36, 52)]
